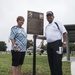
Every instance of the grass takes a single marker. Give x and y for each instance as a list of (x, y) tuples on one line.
[(42, 67)]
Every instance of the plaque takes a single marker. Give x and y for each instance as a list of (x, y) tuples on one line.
[(35, 23)]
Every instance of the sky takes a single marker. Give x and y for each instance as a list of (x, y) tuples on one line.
[(64, 11)]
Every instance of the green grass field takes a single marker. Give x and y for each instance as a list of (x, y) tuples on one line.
[(42, 67)]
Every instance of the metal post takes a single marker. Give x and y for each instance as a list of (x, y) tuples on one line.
[(68, 48), (34, 57)]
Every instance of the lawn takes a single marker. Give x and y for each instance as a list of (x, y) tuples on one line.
[(42, 67)]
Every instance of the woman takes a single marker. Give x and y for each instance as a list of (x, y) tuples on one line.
[(18, 39)]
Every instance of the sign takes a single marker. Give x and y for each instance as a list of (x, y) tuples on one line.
[(35, 23)]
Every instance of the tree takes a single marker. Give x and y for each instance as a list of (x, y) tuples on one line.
[(3, 46), (72, 47)]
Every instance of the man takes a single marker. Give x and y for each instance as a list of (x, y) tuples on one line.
[(18, 39), (54, 33)]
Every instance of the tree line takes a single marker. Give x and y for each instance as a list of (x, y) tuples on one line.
[(3, 46)]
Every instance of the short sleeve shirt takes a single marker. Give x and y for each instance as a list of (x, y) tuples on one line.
[(20, 37), (52, 32)]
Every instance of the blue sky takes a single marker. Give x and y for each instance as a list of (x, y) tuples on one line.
[(64, 11)]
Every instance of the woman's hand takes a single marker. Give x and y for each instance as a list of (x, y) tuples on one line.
[(15, 48)]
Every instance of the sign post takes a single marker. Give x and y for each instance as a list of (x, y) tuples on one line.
[(34, 57), (35, 26)]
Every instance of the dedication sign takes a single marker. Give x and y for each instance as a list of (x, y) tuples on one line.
[(35, 23)]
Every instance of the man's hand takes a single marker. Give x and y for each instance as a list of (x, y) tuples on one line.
[(64, 44), (35, 35)]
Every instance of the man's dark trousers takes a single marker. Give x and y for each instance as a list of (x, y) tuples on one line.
[(55, 57)]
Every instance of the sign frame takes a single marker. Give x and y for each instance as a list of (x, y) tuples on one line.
[(35, 23)]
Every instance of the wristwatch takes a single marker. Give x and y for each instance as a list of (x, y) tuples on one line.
[(64, 42)]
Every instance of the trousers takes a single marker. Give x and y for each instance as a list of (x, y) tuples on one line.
[(55, 52)]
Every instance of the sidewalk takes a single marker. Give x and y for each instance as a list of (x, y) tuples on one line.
[(72, 60)]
